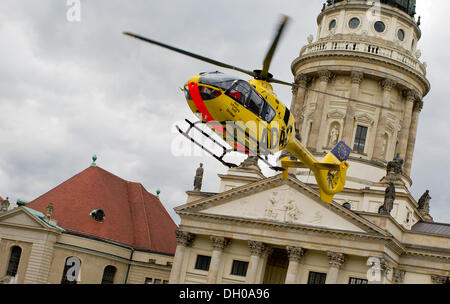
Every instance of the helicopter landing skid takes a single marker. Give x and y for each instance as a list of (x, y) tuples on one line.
[(225, 150)]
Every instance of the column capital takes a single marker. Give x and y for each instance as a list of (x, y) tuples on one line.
[(301, 79), (256, 248), (438, 279), (184, 238), (295, 253), (357, 77), (325, 75), (418, 106), (398, 276), (388, 84), (219, 242), (411, 95), (336, 259), (294, 90), (386, 266)]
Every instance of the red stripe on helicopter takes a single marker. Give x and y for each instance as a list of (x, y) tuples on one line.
[(201, 107)]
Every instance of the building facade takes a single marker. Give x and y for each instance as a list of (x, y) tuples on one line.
[(95, 228), (269, 230)]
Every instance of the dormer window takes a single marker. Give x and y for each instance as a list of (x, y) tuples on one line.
[(98, 215)]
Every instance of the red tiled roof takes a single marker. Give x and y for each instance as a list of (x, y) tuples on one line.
[(133, 216)]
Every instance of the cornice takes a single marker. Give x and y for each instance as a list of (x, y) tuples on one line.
[(370, 58), (273, 224)]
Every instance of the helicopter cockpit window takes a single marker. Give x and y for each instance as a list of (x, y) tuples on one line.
[(268, 113), (218, 80), (240, 92), (255, 103)]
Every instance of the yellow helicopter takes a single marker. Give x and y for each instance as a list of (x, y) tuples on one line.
[(250, 118)]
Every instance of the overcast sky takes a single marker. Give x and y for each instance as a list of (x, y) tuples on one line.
[(69, 90)]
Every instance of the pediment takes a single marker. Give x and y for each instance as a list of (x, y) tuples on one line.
[(21, 217), (281, 201), (364, 118)]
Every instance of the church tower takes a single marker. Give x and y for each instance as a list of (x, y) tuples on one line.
[(367, 52)]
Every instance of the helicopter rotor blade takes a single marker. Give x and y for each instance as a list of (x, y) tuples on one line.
[(274, 80), (273, 47), (202, 58)]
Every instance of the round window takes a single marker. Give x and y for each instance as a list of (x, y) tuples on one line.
[(401, 34), (354, 23), (379, 26), (332, 24)]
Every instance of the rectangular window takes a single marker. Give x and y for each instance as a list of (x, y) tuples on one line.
[(157, 281), (165, 282), (316, 278), (202, 262), (357, 281), (360, 139), (148, 281), (239, 268)]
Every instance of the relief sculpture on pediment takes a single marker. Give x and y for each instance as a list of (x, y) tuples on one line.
[(281, 207)]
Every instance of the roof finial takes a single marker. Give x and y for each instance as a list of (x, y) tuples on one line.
[(94, 159), (158, 192)]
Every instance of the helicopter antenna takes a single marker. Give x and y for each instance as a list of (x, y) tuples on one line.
[(264, 74)]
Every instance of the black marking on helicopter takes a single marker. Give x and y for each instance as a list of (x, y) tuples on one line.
[(287, 114)]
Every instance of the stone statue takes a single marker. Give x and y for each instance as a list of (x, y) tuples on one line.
[(310, 39), (198, 178), (49, 211), (5, 205), (334, 136), (389, 198), (396, 165), (424, 202)]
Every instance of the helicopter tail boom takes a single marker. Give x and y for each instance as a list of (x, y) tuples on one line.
[(330, 173)]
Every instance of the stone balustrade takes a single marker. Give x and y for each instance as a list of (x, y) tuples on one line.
[(367, 48)]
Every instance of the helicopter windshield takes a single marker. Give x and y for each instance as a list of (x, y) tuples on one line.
[(218, 80)]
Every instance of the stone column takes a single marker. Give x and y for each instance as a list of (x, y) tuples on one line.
[(411, 96), (298, 99), (412, 136), (256, 251), (295, 255), (398, 277), (347, 133), (184, 240), (378, 152), (324, 78), (336, 260), (218, 244)]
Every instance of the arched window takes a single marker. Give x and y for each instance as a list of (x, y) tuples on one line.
[(108, 274), (71, 272), (14, 260)]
